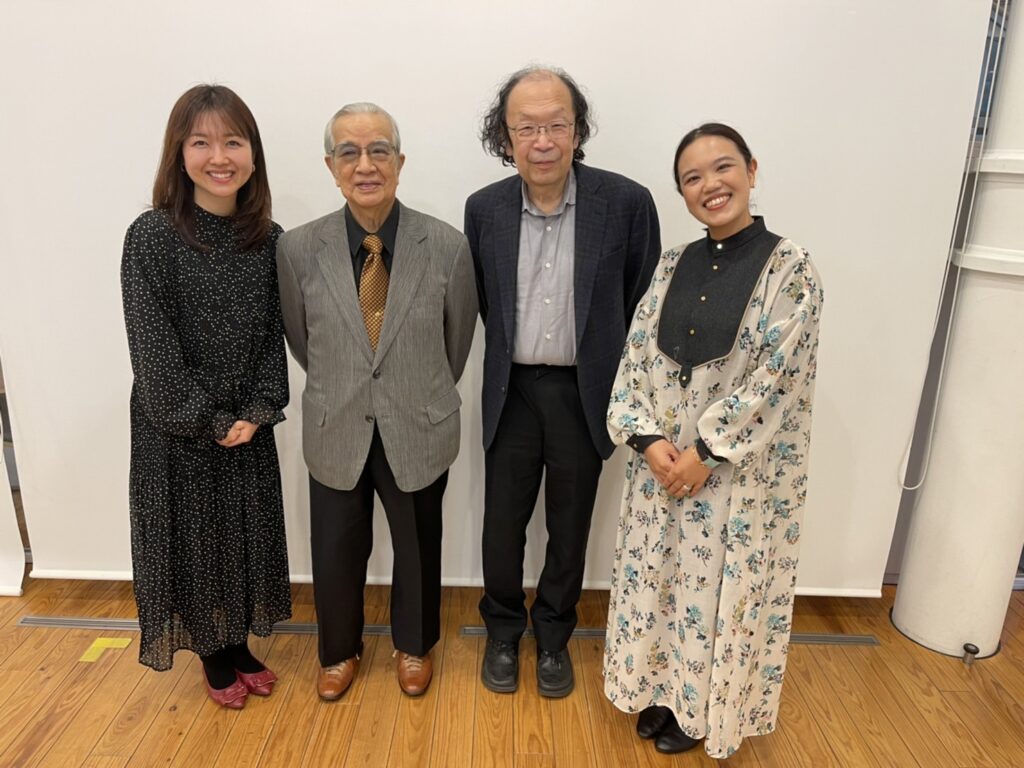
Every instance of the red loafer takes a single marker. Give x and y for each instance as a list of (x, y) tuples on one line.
[(232, 697), (259, 683)]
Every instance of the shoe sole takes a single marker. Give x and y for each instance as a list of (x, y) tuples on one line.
[(556, 693), (499, 688)]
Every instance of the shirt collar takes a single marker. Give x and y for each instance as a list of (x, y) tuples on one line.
[(741, 238), (568, 197), (388, 231)]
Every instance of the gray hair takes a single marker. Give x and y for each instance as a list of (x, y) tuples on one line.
[(360, 108)]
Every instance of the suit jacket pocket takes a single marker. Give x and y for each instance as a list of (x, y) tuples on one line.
[(444, 406), (314, 412)]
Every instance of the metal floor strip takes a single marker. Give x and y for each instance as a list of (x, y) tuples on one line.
[(801, 638), (131, 625), (306, 628)]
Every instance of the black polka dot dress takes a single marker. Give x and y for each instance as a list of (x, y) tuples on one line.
[(205, 339)]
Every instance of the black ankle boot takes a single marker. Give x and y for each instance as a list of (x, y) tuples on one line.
[(672, 740), (651, 721)]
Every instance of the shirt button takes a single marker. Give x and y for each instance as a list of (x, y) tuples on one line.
[(692, 331), (548, 227), (547, 301), (547, 336), (684, 378), (719, 246), (547, 265), (714, 266), (703, 298)]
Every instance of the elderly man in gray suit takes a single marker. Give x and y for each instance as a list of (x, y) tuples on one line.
[(563, 252), (379, 308)]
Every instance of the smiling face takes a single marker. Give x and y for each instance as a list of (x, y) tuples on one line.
[(543, 161), (219, 161), (716, 181), (369, 180)]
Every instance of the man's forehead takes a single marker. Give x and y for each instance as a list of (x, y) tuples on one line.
[(540, 91), (370, 126)]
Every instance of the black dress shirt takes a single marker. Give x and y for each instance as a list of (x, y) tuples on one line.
[(706, 300), (388, 232)]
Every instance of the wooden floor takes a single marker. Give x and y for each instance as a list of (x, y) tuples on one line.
[(892, 705)]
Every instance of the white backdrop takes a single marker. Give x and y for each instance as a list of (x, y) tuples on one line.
[(858, 110)]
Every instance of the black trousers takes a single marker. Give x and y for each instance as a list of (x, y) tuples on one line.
[(542, 429), (341, 534)]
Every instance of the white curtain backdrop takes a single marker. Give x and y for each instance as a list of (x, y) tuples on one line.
[(858, 110)]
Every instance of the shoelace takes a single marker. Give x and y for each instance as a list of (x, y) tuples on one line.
[(413, 663), (338, 669)]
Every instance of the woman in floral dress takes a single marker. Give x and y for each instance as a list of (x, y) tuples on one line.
[(714, 395)]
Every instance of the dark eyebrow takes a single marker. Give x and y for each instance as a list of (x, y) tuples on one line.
[(716, 161), (231, 135)]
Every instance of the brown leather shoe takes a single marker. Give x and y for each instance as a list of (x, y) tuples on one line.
[(333, 681), (414, 673)]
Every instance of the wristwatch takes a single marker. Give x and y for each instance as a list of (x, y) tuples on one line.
[(707, 458)]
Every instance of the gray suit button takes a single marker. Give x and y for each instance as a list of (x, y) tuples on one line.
[(376, 374), (369, 419)]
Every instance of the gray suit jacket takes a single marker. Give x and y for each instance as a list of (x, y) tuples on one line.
[(407, 388)]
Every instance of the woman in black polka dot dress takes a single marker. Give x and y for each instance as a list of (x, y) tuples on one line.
[(204, 333)]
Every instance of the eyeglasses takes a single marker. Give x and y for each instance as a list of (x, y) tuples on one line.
[(378, 152), (529, 131)]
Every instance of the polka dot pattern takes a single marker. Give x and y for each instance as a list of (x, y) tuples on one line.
[(207, 526), (373, 288)]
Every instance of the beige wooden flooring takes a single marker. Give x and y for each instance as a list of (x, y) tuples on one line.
[(893, 705)]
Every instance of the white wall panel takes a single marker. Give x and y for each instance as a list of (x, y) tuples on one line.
[(859, 112)]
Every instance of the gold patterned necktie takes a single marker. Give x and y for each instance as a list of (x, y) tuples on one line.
[(373, 288)]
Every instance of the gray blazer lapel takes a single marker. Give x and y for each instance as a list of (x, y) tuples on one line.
[(590, 222), (506, 256), (407, 267), (334, 259)]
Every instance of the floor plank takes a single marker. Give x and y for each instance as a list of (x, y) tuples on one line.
[(896, 704)]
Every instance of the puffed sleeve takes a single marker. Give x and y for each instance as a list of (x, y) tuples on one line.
[(632, 406), (270, 378), (742, 425), (172, 400)]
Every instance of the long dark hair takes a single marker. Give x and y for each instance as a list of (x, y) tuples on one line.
[(494, 132), (173, 190), (710, 129)]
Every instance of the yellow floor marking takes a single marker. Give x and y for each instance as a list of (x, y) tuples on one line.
[(100, 644)]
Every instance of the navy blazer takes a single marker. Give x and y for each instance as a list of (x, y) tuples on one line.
[(618, 243)]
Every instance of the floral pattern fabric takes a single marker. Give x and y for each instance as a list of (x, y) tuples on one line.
[(702, 587)]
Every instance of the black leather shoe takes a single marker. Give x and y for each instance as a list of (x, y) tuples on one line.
[(672, 740), (651, 721), (554, 673), (500, 670)]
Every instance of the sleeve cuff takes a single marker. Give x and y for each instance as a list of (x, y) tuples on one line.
[(641, 443), (704, 450), (221, 424), (261, 414)]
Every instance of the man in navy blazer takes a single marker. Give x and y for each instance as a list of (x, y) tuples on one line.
[(563, 252)]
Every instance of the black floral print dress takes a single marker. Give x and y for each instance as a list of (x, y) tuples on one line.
[(207, 526)]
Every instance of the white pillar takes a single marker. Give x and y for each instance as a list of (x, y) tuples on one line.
[(966, 534), (12, 553)]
